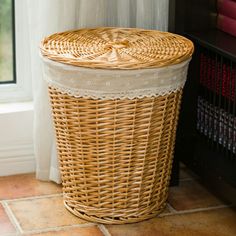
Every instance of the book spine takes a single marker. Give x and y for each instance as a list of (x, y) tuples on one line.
[(227, 8), (202, 62), (216, 124), (226, 24), (217, 77), (234, 136)]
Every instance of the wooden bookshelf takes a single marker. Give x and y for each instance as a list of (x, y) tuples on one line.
[(215, 40), (216, 166)]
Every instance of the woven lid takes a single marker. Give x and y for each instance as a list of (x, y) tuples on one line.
[(117, 48)]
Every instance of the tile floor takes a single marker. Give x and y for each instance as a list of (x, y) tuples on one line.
[(31, 207)]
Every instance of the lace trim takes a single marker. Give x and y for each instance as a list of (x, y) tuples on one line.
[(115, 84), (81, 93)]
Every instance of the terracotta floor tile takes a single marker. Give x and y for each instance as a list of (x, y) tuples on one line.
[(86, 231), (219, 222), (36, 214), (191, 195), (186, 174), (6, 226), (26, 185)]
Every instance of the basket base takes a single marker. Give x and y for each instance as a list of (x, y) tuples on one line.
[(114, 220)]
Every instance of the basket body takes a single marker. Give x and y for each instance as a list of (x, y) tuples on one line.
[(115, 155), (115, 96)]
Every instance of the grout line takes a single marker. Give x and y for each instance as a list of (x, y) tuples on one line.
[(59, 228), (200, 209), (33, 197), (104, 230), (12, 217), (165, 214), (172, 209)]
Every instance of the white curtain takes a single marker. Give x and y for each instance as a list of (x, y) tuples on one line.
[(50, 16)]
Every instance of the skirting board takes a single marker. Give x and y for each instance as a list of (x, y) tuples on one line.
[(17, 159)]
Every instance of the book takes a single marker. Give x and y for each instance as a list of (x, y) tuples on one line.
[(226, 24), (216, 124), (217, 77), (227, 8)]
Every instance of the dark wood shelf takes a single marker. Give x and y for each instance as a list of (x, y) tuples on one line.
[(197, 20), (216, 40)]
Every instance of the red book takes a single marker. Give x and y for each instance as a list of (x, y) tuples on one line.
[(227, 8), (226, 24)]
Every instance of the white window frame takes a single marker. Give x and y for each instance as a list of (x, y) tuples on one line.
[(16, 106), (22, 90)]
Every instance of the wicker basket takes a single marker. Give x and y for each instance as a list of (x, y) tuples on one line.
[(115, 150)]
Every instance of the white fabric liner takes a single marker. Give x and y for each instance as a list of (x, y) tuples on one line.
[(114, 84)]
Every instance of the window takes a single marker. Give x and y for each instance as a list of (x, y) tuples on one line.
[(15, 82), (7, 42), (16, 115)]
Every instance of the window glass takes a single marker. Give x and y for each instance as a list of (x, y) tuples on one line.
[(6, 42)]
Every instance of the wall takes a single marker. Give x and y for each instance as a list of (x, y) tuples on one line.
[(16, 139)]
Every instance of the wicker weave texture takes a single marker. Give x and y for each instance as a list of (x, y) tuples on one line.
[(117, 48), (115, 155)]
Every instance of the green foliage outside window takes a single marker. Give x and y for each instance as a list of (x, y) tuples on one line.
[(6, 52)]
